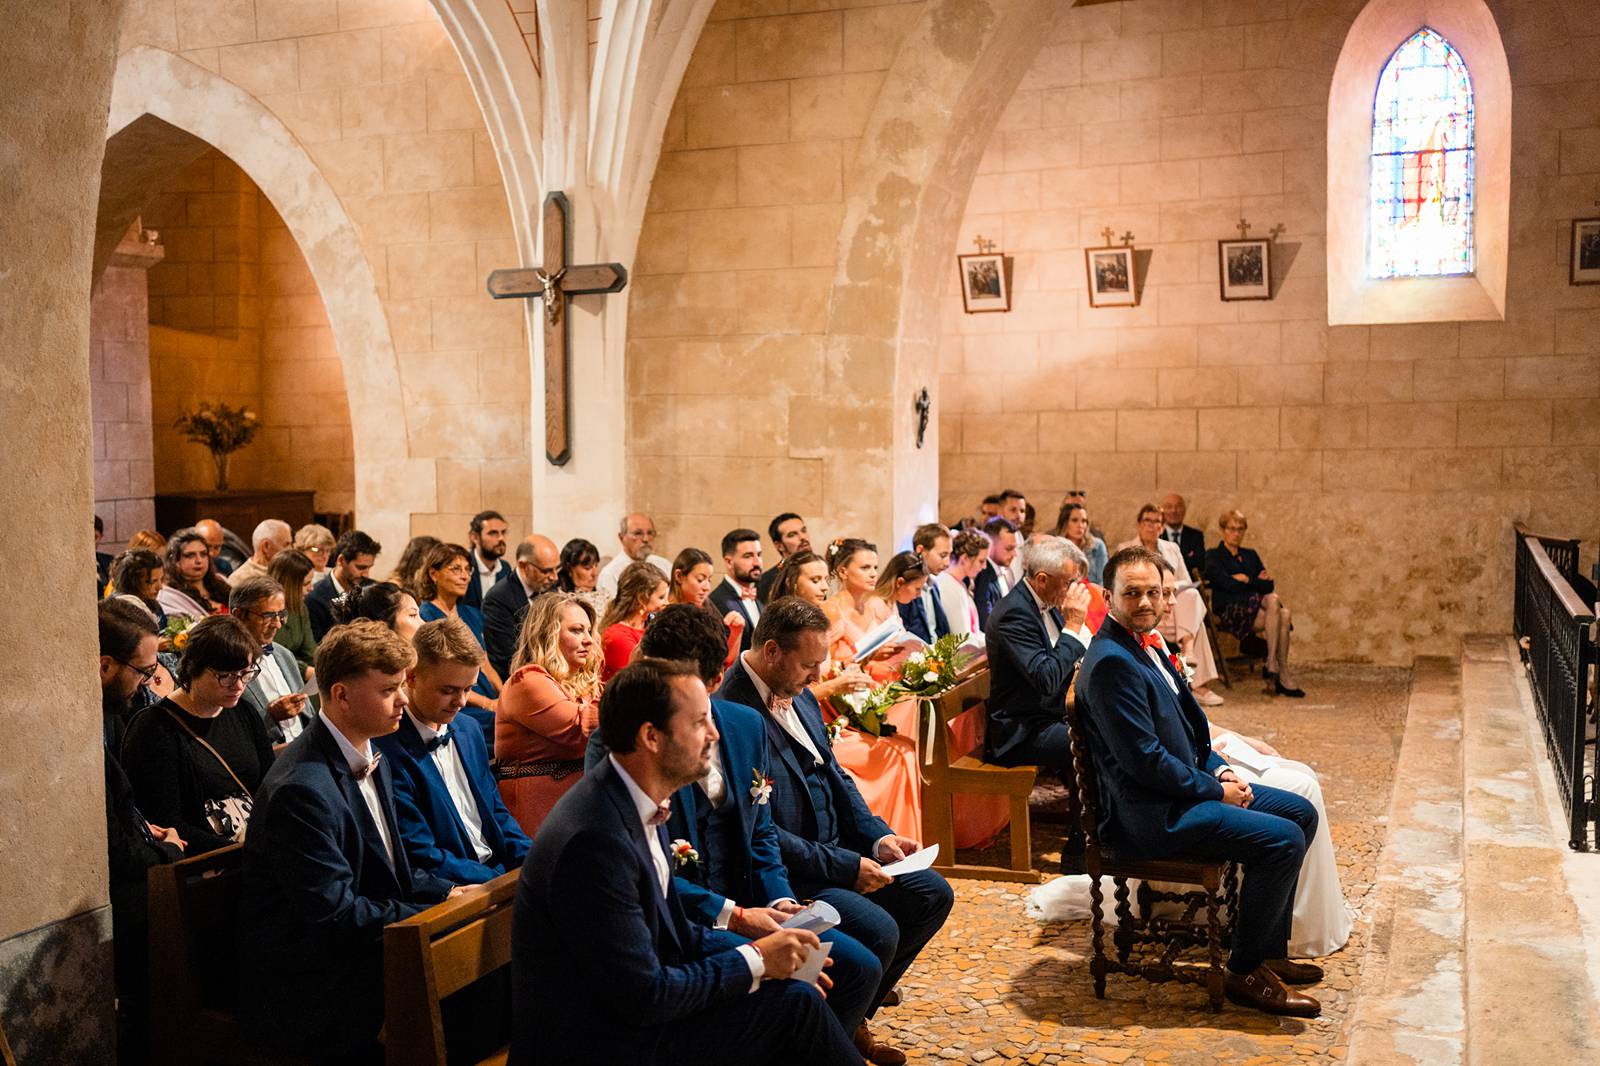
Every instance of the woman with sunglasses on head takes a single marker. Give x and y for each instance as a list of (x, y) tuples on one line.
[(197, 757)]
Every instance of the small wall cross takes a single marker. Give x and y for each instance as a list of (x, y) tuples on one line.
[(1275, 231), (1107, 234), (1127, 238), (984, 246), (1244, 229)]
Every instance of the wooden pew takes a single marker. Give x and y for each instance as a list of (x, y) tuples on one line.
[(433, 954), (194, 976), (944, 778)]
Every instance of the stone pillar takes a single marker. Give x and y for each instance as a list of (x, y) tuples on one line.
[(119, 373), (56, 63)]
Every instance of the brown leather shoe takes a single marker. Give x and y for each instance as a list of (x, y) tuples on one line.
[(1295, 973), (891, 998), (875, 1052), (1264, 991)]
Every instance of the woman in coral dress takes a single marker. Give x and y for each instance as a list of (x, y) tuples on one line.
[(548, 708)]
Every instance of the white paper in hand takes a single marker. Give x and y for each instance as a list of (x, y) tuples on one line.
[(310, 687), (817, 918), (917, 860), (811, 969)]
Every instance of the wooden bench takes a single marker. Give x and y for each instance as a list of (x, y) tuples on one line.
[(944, 778), (194, 975), (434, 954)]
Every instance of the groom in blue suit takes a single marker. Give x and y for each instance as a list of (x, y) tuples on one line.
[(1165, 794), (448, 807), (738, 882)]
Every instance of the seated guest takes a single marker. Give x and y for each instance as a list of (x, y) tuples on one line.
[(641, 591), (805, 576), (1246, 600), (102, 560), (900, 583), (854, 565), (383, 602), (149, 540), (691, 584), (350, 567), (1036, 638), (506, 604), (831, 842), (1184, 626), (270, 537), (196, 759), (127, 662), (548, 708), (1073, 524), (993, 582), (738, 882), (738, 592), (316, 543), (216, 540), (446, 575), (969, 556), (637, 536), (293, 571), (452, 821), (580, 573), (487, 537), (193, 590), (989, 508), (925, 615), (141, 574), (1190, 541), (407, 572), (790, 537), (597, 909), (324, 869), (275, 693), (1081, 497), (1165, 794)]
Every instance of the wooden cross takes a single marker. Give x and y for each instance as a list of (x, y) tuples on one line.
[(556, 283), (1244, 229), (1107, 234), (1126, 238), (1272, 234), (984, 246)]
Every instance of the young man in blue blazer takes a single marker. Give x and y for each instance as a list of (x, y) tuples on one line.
[(832, 844), (451, 818), (1164, 793), (738, 881), (606, 966), (324, 868)]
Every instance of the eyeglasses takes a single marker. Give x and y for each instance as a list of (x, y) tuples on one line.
[(459, 570), (281, 616), (146, 674), (233, 677)]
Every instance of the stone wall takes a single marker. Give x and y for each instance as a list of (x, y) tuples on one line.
[(1381, 466), (119, 375)]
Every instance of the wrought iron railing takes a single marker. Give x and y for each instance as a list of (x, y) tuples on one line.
[(1555, 628)]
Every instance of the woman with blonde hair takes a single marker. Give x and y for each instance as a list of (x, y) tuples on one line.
[(548, 708), (315, 542), (1246, 600), (641, 592)]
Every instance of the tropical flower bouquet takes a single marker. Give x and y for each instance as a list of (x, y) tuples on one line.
[(925, 675), (222, 429)]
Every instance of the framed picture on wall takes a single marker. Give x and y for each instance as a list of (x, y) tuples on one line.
[(1586, 251), (1111, 277), (1244, 269), (985, 282)]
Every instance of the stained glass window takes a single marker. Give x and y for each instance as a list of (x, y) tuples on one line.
[(1422, 162)]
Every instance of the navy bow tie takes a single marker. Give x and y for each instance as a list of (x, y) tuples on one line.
[(439, 740)]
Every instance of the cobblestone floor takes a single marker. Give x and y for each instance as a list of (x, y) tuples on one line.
[(999, 987)]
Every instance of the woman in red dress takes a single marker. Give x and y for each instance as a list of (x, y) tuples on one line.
[(641, 592)]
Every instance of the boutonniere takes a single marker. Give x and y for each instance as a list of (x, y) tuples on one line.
[(760, 789), (683, 853), (837, 727)]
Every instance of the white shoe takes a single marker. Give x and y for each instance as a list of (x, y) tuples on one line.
[(1207, 698)]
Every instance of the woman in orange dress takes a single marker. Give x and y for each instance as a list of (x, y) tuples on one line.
[(854, 565), (641, 592), (691, 584), (548, 708)]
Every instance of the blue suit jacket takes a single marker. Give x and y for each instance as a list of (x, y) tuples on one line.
[(1152, 747), (435, 836), (1028, 678), (600, 960), (916, 620), (755, 876), (986, 592), (317, 890), (725, 599), (473, 597), (810, 861)]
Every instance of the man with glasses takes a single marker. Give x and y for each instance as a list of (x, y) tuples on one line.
[(275, 693), (637, 536), (506, 604)]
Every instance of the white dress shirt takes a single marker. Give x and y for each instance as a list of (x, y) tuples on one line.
[(485, 577), (357, 758), (1053, 631), (787, 717), (606, 583), (1002, 575), (752, 606), (646, 808), (447, 760), (275, 686)]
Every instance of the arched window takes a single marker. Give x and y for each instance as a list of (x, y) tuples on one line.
[(1422, 163)]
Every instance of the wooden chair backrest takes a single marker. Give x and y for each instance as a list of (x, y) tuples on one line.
[(436, 953), (972, 691), (1084, 783), (194, 907)]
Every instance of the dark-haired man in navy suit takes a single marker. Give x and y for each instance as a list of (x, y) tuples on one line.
[(832, 844), (606, 966), (925, 615), (324, 869), (1164, 793), (452, 820)]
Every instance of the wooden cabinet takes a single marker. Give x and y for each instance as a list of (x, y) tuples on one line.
[(239, 511)]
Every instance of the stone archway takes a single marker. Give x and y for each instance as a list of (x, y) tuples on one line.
[(157, 94)]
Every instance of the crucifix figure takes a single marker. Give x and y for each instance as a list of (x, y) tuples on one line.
[(555, 282)]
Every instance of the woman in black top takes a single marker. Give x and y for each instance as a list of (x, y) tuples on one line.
[(197, 757), (1245, 601)]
